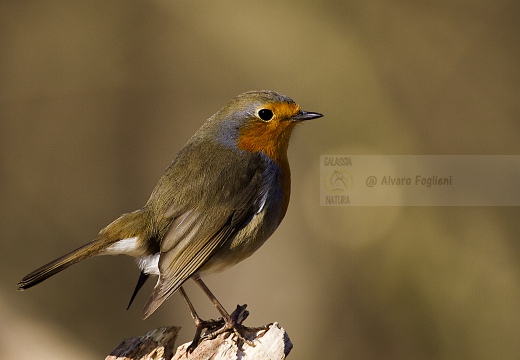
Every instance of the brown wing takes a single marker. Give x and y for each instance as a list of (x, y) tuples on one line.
[(195, 235)]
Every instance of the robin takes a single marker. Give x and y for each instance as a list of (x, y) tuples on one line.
[(220, 199)]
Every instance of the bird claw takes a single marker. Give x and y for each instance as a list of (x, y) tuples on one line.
[(209, 326), (215, 328), (237, 330)]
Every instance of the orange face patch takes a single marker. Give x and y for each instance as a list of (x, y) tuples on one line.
[(270, 137)]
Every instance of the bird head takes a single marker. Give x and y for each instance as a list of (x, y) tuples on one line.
[(259, 121)]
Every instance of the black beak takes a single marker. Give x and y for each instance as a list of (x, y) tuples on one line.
[(306, 115)]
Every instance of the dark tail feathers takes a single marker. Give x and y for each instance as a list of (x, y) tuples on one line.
[(126, 226), (55, 266)]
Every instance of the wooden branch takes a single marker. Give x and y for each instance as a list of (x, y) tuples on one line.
[(271, 342), (157, 344)]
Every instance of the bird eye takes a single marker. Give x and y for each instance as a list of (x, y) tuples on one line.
[(265, 114)]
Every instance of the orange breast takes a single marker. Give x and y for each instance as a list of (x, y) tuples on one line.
[(272, 138)]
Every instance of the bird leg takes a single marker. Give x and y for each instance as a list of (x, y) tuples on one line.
[(231, 322), (200, 324)]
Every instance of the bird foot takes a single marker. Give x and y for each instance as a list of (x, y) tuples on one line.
[(234, 325), (209, 326)]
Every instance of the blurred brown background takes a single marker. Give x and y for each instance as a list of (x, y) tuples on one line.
[(97, 97)]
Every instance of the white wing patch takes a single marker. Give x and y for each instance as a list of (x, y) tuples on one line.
[(149, 264), (123, 247), (262, 203)]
